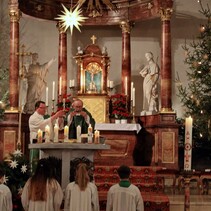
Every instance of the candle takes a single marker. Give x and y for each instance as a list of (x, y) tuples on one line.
[(46, 96), (126, 85), (73, 83), (111, 84), (47, 133), (56, 133), (66, 133), (97, 137), (78, 133), (60, 85), (131, 91), (134, 94), (188, 143), (90, 134), (108, 83), (39, 136), (53, 91), (63, 103)]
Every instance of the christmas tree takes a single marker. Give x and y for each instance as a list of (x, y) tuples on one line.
[(196, 96)]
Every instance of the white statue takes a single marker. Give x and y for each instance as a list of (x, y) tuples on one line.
[(150, 85), (80, 51), (36, 82)]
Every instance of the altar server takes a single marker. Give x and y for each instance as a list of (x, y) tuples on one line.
[(81, 195), (124, 196)]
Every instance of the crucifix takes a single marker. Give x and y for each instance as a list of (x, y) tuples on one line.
[(93, 38)]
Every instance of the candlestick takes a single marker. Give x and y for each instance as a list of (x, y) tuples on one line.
[(39, 136), (188, 143), (56, 133), (63, 103), (90, 134), (97, 137), (53, 91), (46, 96), (53, 106), (78, 133), (47, 133), (60, 85), (66, 133)]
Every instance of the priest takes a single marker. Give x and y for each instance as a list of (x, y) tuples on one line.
[(78, 115)]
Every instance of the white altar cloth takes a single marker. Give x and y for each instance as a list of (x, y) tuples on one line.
[(118, 127)]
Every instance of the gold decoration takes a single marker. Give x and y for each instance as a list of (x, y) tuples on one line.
[(165, 13)]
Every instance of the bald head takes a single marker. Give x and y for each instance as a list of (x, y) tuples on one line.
[(77, 105)]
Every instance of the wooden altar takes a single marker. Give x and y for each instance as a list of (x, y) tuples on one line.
[(122, 138), (67, 152)]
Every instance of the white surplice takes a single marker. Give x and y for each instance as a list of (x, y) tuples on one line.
[(5, 198)]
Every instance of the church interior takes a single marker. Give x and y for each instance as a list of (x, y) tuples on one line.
[(101, 58)]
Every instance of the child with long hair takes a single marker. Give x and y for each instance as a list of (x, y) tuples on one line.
[(81, 195), (42, 192)]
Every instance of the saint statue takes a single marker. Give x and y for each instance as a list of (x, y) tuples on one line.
[(36, 82), (150, 85)]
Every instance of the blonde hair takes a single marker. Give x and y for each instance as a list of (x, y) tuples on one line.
[(82, 176)]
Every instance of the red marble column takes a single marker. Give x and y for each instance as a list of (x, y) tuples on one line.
[(62, 60), (14, 57), (166, 76), (126, 58)]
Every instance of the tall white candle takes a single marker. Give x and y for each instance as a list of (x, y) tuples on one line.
[(56, 133), (126, 85), (47, 133), (78, 133), (188, 143), (60, 85), (46, 96), (70, 83), (111, 84), (134, 94), (90, 134), (131, 91), (73, 83), (97, 137), (66, 133), (53, 91)]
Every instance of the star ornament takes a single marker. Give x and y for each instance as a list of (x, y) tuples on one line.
[(71, 18)]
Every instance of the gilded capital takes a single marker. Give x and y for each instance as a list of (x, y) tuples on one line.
[(60, 28), (165, 13), (15, 15), (126, 26)]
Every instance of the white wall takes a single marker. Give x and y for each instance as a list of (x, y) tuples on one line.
[(42, 37)]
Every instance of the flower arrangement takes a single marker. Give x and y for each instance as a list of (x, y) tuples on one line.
[(118, 107), (17, 172)]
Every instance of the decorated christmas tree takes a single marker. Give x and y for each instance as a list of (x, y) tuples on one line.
[(196, 96)]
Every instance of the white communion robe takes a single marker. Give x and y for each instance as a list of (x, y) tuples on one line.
[(5, 198), (53, 202), (77, 200), (124, 199)]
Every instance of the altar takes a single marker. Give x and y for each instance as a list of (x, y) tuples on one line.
[(67, 152), (122, 139)]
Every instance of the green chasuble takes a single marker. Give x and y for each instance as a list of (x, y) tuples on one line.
[(79, 120)]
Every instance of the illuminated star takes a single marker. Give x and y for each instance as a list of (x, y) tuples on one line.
[(13, 164), (71, 18), (24, 168), (17, 153), (5, 179)]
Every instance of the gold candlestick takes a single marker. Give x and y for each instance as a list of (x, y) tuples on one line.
[(53, 106), (133, 112)]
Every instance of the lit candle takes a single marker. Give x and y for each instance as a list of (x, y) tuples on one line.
[(97, 137), (47, 133), (188, 143), (39, 136), (53, 91), (46, 96), (78, 133), (56, 133), (60, 85), (131, 91), (134, 94), (66, 133), (90, 134), (126, 85)]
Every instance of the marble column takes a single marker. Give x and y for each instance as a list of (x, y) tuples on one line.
[(126, 58), (166, 75), (15, 14), (62, 59)]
